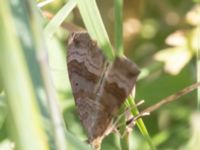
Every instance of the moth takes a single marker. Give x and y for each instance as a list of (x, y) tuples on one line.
[(99, 87)]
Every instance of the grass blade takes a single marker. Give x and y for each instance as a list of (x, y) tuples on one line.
[(53, 25), (140, 122), (22, 102), (94, 24)]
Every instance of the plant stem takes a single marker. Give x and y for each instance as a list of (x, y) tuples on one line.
[(119, 27), (140, 124)]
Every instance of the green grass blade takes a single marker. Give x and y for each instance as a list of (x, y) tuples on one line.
[(140, 122), (53, 25), (21, 95), (119, 27), (94, 24)]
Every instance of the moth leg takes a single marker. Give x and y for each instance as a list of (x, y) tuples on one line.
[(127, 112), (134, 119), (131, 123), (129, 120)]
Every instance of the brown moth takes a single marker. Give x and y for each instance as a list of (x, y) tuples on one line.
[(99, 87)]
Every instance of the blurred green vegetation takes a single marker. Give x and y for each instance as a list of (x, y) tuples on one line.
[(37, 109)]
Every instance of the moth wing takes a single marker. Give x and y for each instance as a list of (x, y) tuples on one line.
[(119, 81), (86, 66)]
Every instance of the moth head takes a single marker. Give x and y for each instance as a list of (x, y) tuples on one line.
[(80, 39)]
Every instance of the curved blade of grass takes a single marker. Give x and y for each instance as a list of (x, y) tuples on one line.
[(140, 124), (94, 24), (22, 102), (33, 54), (53, 25)]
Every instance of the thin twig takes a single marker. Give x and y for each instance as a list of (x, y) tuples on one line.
[(172, 98)]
